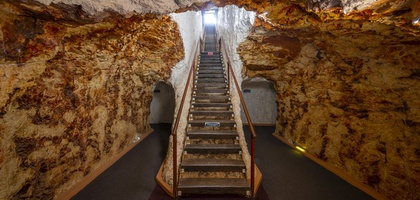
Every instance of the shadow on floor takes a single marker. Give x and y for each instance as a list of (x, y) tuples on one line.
[(132, 176), (287, 174)]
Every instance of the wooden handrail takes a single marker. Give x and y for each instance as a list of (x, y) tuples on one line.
[(248, 118), (178, 116)]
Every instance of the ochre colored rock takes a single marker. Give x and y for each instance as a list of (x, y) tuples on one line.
[(75, 89), (347, 87), (76, 94), (266, 53)]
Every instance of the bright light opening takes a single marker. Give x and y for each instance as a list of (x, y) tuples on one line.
[(210, 18)]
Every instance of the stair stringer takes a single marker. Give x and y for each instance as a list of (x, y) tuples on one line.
[(167, 166), (236, 107), (239, 128)]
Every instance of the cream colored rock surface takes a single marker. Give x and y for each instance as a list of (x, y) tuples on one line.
[(189, 24), (232, 19)]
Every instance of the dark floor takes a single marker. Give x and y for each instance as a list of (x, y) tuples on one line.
[(287, 174)]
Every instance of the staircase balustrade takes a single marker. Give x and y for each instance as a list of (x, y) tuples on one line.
[(220, 45), (178, 116)]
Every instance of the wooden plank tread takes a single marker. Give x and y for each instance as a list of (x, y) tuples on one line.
[(212, 104), (211, 183), (210, 90), (212, 134), (212, 162), (208, 112), (212, 97), (220, 121), (212, 147)]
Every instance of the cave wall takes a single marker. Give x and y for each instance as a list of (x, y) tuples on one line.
[(232, 19), (190, 27), (260, 99), (347, 87), (75, 91), (346, 74), (162, 106)]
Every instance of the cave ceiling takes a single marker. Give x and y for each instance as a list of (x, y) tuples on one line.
[(329, 24), (279, 13)]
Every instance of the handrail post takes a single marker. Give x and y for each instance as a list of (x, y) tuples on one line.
[(251, 126), (225, 56), (174, 162), (175, 128), (228, 65)]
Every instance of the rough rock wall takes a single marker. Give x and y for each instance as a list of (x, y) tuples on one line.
[(190, 26), (232, 19), (347, 87), (260, 101), (129, 6), (74, 92)]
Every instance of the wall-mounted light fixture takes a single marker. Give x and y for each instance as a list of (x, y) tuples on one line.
[(300, 148)]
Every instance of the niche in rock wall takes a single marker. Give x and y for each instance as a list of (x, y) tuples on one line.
[(163, 104), (260, 99)]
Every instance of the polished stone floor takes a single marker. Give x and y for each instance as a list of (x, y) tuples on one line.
[(287, 174)]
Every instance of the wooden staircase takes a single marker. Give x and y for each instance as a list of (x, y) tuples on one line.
[(212, 158), (212, 161)]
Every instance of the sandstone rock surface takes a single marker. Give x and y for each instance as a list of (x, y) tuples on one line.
[(347, 85), (74, 93), (76, 79)]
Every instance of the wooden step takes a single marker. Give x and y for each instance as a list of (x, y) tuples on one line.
[(207, 106), (212, 104), (207, 57), (212, 63), (213, 57), (210, 76), (211, 99), (212, 165), (211, 112), (211, 85), (221, 97), (208, 117), (205, 53), (211, 80), (202, 92), (210, 67), (210, 60), (218, 91), (203, 123), (211, 71), (212, 148), (213, 186), (215, 134)]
